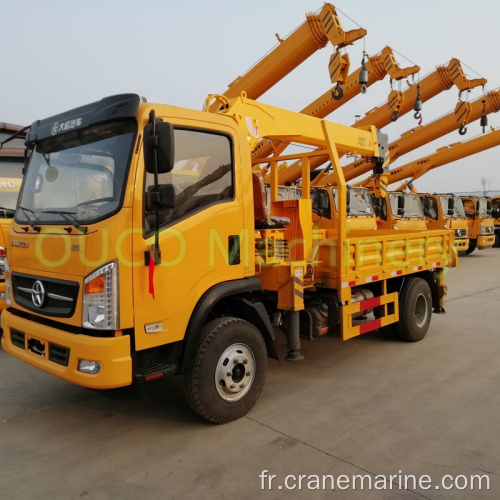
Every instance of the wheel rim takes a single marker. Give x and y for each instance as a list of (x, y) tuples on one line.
[(235, 372), (421, 310)]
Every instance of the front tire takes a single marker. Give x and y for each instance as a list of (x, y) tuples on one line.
[(228, 371), (415, 310), (472, 247)]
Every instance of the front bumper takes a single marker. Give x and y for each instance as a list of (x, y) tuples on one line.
[(485, 241), (461, 244), (58, 352)]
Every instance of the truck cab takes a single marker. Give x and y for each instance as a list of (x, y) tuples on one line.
[(481, 225), (11, 173), (399, 210), (360, 214), (446, 211)]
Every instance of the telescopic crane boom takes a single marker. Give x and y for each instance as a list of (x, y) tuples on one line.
[(312, 35), (443, 156), (440, 80), (443, 78), (463, 114)]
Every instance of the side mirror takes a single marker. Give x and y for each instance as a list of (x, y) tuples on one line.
[(163, 197), (401, 205), (451, 206), (159, 138), (323, 201)]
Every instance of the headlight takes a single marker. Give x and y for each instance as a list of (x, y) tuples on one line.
[(100, 299)]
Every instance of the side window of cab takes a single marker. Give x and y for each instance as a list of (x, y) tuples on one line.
[(203, 175)]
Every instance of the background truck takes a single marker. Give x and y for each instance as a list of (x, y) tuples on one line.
[(481, 223), (495, 212), (141, 247), (446, 211), (11, 165), (399, 210)]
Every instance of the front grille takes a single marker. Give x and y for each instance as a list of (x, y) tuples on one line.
[(55, 297), (460, 233)]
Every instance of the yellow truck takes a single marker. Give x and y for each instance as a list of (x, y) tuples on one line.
[(481, 228), (142, 247), (446, 211), (11, 166)]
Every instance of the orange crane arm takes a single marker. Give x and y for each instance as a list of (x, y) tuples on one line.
[(378, 67), (441, 79), (443, 156), (414, 138), (312, 35)]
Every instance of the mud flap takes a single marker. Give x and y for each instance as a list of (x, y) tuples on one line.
[(352, 327)]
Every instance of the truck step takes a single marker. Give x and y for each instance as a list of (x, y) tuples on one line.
[(153, 371)]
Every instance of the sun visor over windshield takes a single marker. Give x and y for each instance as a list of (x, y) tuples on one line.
[(109, 108)]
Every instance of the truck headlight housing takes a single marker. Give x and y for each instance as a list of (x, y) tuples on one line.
[(100, 299)]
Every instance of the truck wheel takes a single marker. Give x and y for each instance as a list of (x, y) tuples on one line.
[(228, 371), (415, 310), (472, 247), (497, 240)]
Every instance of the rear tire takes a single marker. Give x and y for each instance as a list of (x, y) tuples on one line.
[(228, 371), (415, 310)]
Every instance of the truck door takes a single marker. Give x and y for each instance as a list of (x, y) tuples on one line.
[(199, 237)]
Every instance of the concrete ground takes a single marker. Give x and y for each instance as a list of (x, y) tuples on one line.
[(370, 407)]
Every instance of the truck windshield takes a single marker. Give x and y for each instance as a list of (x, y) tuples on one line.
[(458, 207), (81, 173), (10, 183), (485, 207), (359, 202), (410, 206)]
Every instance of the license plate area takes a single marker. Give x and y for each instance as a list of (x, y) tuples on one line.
[(36, 347)]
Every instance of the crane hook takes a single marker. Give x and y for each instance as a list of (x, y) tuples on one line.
[(394, 116), (338, 93), (417, 105), (484, 118), (462, 130)]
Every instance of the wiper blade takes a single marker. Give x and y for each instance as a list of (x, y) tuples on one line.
[(68, 216), (30, 220), (7, 209)]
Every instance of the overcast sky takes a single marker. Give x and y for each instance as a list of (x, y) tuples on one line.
[(61, 54)]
